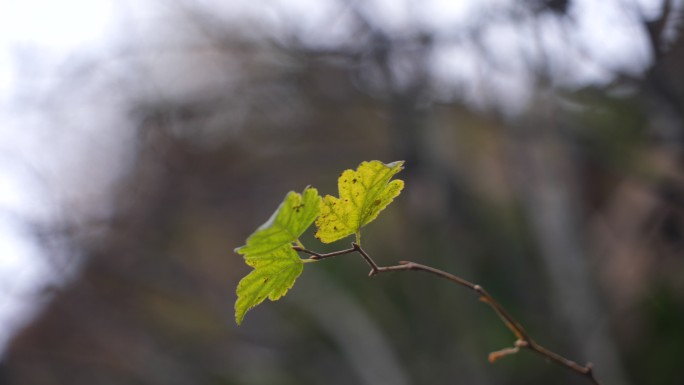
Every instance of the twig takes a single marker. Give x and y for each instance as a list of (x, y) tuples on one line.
[(485, 297), (374, 267), (318, 256), (523, 339)]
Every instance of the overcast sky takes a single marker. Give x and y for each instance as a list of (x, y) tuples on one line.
[(38, 160)]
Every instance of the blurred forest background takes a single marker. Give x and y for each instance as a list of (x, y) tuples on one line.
[(553, 178)]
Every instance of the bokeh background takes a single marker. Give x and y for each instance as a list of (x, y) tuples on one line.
[(543, 142)]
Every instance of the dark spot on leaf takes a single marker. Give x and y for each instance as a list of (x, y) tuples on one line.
[(265, 280), (377, 202), (334, 227), (354, 180)]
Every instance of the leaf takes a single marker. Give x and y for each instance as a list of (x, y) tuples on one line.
[(363, 194), (286, 225), (272, 277), (269, 251)]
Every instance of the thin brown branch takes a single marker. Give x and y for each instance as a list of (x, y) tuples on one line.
[(485, 297), (374, 267), (523, 339), (318, 256), (586, 370)]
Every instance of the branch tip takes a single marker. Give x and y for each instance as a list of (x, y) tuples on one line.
[(493, 356), (589, 369)]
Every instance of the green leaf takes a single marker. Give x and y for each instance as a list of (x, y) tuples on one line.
[(269, 251), (363, 194), (272, 277), (286, 225)]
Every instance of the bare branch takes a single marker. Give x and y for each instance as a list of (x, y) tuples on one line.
[(318, 256), (374, 267), (523, 339)]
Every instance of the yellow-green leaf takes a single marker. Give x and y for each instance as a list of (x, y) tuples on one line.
[(272, 278), (364, 192), (286, 225)]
